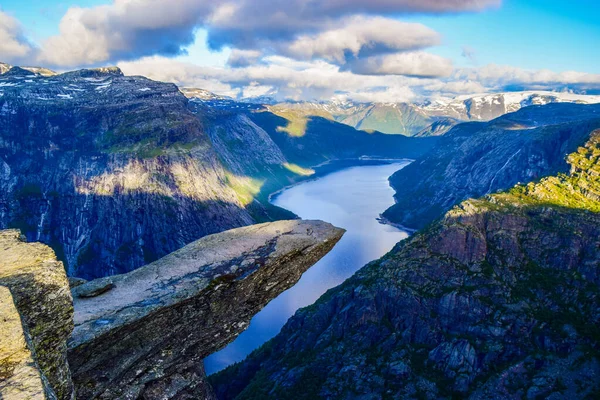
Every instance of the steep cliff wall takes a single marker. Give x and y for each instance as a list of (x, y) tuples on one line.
[(475, 159), (113, 172), (37, 320)]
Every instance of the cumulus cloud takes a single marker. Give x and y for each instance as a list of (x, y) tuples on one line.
[(453, 88), (360, 36), (126, 29), (279, 77), (14, 47), (502, 77), (283, 19), (285, 78), (417, 64)]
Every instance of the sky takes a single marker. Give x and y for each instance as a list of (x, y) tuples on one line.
[(362, 50)]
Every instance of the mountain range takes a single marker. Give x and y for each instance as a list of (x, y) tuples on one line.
[(428, 118), (114, 171), (495, 296)]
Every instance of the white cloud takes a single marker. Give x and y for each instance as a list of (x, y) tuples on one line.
[(331, 29), (14, 47), (126, 29), (278, 76), (362, 35), (498, 77), (285, 78), (412, 64)]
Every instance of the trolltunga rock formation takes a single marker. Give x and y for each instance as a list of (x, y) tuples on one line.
[(144, 334)]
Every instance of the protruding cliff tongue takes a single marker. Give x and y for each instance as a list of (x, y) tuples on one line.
[(144, 334)]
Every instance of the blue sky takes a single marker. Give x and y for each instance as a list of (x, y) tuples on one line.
[(532, 34), (509, 45)]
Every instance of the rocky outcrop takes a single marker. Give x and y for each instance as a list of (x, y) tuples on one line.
[(500, 299), (144, 334), (475, 159), (20, 376), (37, 319)]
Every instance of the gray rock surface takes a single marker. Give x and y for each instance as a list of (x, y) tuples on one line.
[(146, 336), (113, 172), (39, 288), (20, 376)]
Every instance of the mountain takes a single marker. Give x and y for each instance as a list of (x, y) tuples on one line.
[(478, 158), (311, 140), (499, 299), (490, 106), (432, 118), (34, 70), (111, 171), (115, 171), (4, 68), (392, 118)]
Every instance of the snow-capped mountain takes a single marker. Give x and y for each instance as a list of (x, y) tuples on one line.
[(485, 107), (431, 118), (36, 70)]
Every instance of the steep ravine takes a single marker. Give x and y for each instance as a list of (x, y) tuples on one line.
[(114, 171), (499, 299)]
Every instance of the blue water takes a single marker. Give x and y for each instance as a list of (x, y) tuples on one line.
[(351, 199)]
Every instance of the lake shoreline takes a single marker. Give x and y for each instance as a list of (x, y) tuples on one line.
[(331, 166), (349, 194)]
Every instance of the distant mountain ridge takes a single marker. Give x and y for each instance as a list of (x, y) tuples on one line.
[(431, 118), (478, 158)]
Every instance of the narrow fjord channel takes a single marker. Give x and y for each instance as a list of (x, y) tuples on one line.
[(351, 199)]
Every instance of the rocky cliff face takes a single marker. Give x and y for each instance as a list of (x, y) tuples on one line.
[(499, 299), (20, 375), (37, 319), (112, 171), (475, 159), (144, 334)]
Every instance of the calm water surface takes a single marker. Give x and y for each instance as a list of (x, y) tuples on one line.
[(351, 199)]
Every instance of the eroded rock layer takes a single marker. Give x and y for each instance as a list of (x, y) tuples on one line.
[(40, 293)]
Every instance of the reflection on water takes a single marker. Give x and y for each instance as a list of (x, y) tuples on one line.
[(351, 199)]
